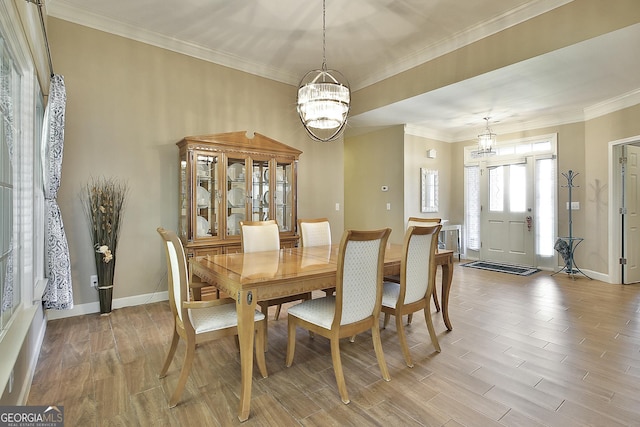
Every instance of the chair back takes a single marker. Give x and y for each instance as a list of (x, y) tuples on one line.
[(178, 276), (359, 275), (314, 232), (259, 236), (418, 263), (422, 222)]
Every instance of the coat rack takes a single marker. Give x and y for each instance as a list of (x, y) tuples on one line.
[(566, 246)]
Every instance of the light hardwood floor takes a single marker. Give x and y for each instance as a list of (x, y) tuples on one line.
[(524, 351)]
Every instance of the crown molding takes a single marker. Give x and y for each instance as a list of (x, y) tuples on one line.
[(625, 100), (61, 10)]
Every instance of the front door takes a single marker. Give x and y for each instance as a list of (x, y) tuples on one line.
[(507, 214)]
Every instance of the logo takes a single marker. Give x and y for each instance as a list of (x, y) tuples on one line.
[(31, 416)]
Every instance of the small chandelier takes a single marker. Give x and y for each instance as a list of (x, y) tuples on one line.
[(486, 140), (324, 98)]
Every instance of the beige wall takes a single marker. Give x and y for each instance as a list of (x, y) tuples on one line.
[(128, 103), (371, 161), (415, 157), (599, 132)]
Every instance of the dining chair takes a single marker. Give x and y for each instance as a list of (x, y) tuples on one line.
[(260, 236), (356, 305), (413, 293), (419, 222), (314, 232), (197, 322)]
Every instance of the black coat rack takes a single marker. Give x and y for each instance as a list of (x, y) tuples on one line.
[(566, 246)]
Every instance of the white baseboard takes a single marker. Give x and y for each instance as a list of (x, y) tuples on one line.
[(587, 274), (94, 307)]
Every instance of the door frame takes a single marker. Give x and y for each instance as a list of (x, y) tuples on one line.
[(505, 154), (615, 220)]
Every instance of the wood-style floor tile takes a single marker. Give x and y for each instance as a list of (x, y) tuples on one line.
[(524, 351)]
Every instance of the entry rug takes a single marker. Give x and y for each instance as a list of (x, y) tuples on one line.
[(502, 268)]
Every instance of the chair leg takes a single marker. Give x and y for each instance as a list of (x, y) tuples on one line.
[(337, 369), (172, 352), (184, 374), (386, 320), (409, 318), (435, 299), (377, 345), (264, 308), (277, 316), (403, 341), (262, 365), (432, 331), (291, 341)]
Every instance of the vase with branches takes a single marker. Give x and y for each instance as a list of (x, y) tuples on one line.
[(103, 202)]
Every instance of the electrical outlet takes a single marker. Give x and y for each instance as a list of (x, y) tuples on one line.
[(94, 280)]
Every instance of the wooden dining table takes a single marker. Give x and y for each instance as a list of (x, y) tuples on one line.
[(258, 276)]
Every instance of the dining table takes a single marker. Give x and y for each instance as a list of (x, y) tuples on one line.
[(258, 276)]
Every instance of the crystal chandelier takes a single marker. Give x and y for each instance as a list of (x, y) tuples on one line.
[(324, 98), (486, 140)]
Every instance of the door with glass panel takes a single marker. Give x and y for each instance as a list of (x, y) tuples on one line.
[(507, 218)]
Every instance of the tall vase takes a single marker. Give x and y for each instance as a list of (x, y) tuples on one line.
[(105, 272), (105, 294)]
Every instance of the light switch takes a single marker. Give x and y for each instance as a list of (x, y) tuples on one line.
[(337, 206), (388, 206)]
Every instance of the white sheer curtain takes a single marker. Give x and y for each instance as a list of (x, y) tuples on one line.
[(59, 292)]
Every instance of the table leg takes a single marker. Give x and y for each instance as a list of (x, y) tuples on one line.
[(447, 276), (245, 305)]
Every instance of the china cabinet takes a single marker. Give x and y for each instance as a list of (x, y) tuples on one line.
[(231, 177)]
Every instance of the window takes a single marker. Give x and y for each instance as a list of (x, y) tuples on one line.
[(472, 206), (9, 104), (545, 206), (496, 189), (517, 180), (21, 191)]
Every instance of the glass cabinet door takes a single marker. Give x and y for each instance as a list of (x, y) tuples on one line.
[(207, 195), (183, 223), (260, 196), (284, 196), (236, 195)]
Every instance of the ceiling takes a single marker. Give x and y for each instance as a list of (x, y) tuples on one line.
[(368, 41)]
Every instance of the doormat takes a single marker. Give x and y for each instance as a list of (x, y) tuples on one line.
[(502, 268)]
